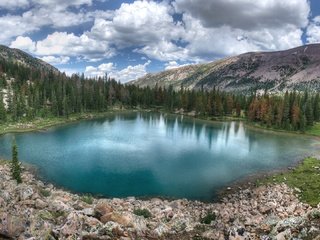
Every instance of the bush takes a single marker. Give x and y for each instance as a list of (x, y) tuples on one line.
[(208, 218), (45, 193), (87, 198), (142, 212)]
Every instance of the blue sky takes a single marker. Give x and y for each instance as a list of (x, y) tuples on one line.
[(127, 39)]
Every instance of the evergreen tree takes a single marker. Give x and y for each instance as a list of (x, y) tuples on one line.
[(3, 114), (15, 164)]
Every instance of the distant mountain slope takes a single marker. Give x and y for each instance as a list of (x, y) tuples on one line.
[(16, 55), (293, 69)]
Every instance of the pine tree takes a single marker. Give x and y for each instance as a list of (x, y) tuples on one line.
[(3, 115), (15, 164), (309, 113)]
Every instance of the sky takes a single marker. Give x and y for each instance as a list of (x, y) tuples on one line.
[(128, 39)]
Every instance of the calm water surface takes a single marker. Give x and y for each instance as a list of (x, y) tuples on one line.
[(149, 154)]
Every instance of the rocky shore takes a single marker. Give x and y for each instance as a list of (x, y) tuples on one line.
[(34, 210)]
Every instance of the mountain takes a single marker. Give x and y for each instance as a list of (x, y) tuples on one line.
[(293, 69), (16, 55)]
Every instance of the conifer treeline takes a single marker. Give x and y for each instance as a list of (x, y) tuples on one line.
[(35, 93)]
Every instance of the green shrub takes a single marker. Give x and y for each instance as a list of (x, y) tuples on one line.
[(87, 198), (208, 218), (142, 212), (45, 193)]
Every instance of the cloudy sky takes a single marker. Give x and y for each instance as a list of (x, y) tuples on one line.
[(127, 39)]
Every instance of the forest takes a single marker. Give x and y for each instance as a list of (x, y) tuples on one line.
[(35, 93)]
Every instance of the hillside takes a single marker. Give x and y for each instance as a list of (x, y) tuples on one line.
[(18, 56), (293, 69)]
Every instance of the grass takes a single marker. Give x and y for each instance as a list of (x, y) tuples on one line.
[(87, 199), (304, 179), (208, 218), (314, 130), (45, 193), (142, 212), (45, 123), (3, 162)]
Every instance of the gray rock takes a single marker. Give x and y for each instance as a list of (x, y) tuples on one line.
[(25, 192), (11, 226)]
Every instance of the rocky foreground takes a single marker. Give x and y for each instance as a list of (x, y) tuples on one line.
[(33, 210)]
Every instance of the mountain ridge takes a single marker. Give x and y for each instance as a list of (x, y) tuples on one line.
[(21, 57), (293, 69)]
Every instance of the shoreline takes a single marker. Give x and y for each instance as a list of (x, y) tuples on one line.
[(61, 121), (39, 210), (246, 181)]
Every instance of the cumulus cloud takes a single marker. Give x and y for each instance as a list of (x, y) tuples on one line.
[(247, 14), (13, 26), (56, 60), (24, 43), (44, 13), (203, 30), (226, 41), (173, 65), (124, 75), (99, 71), (139, 23), (13, 4), (147, 25), (63, 43), (165, 51), (313, 31)]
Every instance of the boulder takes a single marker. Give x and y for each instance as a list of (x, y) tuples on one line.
[(73, 225), (39, 204), (102, 208), (11, 226), (25, 192)]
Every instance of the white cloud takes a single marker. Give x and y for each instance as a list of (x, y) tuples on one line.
[(13, 26), (62, 43), (101, 70), (56, 60), (165, 51), (207, 30), (44, 13), (124, 75), (138, 24), (62, 3), (13, 4), (225, 40), (313, 31), (106, 67), (173, 65), (247, 14), (24, 43)]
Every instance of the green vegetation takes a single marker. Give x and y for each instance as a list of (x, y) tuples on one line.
[(45, 193), (37, 98), (15, 164), (45, 123), (87, 198), (304, 179), (314, 130), (142, 212), (208, 218)]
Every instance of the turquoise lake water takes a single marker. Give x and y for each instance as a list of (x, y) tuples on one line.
[(151, 154)]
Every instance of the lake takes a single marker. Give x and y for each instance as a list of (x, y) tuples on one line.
[(153, 154)]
